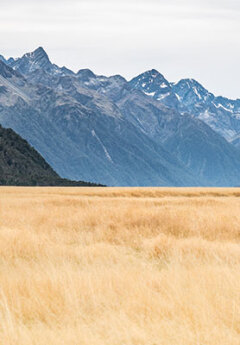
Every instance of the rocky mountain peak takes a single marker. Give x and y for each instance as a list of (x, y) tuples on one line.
[(151, 83), (85, 74), (2, 58), (30, 62), (38, 58), (191, 90)]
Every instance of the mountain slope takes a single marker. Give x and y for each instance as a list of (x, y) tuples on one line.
[(21, 164), (203, 152)]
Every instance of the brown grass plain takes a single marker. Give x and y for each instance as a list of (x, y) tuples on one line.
[(119, 266)]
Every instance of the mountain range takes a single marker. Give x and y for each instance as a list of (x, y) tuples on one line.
[(143, 132)]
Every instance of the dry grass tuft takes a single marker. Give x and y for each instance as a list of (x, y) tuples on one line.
[(127, 266)]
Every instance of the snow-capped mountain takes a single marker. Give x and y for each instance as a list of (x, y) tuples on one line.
[(190, 92), (220, 113), (105, 129), (189, 96), (153, 84), (34, 61)]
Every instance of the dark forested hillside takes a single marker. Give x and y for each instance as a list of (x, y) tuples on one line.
[(21, 164)]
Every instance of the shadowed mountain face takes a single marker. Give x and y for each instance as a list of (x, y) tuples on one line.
[(22, 165), (104, 129)]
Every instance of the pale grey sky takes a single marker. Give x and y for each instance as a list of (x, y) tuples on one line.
[(180, 38)]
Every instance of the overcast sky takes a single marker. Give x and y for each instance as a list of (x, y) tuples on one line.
[(180, 38)]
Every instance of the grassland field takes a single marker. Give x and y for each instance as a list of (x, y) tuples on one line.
[(119, 266)]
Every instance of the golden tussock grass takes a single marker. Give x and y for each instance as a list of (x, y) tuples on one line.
[(124, 266)]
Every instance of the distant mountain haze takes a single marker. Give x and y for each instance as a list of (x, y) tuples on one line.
[(143, 132)]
